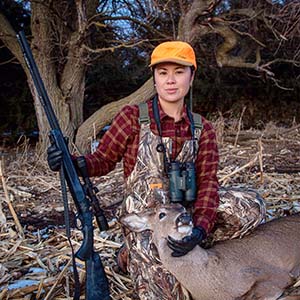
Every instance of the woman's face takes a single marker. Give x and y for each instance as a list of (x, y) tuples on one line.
[(172, 81)]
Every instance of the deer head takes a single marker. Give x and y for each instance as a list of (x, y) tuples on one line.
[(166, 220)]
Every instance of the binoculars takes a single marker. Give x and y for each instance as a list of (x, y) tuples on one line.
[(182, 181)]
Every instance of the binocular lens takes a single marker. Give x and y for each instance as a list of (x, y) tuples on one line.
[(182, 181)]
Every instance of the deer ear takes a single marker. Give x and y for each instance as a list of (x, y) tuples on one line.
[(135, 222)]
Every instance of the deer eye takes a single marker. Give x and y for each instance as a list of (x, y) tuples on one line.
[(161, 215)]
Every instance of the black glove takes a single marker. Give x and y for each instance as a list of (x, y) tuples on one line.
[(54, 158), (188, 243)]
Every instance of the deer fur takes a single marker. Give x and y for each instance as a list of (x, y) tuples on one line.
[(258, 266)]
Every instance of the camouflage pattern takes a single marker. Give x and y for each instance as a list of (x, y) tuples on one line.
[(145, 188), (240, 211), (147, 185)]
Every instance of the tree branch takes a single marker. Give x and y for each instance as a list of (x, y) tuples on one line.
[(9, 39), (187, 23), (104, 116), (125, 18), (223, 57), (113, 48)]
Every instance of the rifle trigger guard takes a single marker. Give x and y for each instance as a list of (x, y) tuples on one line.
[(78, 223)]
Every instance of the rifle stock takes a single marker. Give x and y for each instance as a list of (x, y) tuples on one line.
[(97, 286)]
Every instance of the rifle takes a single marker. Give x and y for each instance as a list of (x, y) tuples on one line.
[(97, 286)]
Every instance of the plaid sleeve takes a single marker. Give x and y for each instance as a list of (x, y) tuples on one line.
[(112, 145), (207, 166)]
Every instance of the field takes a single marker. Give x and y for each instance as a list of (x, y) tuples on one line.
[(35, 256)]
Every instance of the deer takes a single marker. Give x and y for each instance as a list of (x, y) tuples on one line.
[(260, 265)]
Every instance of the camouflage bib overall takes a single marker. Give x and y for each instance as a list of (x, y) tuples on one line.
[(146, 187), (238, 213)]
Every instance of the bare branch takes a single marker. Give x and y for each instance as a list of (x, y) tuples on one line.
[(250, 36), (12, 60), (276, 82), (9, 39), (81, 17), (125, 18), (278, 60), (113, 48), (97, 24)]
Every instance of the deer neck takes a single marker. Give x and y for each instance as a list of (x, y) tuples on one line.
[(198, 255)]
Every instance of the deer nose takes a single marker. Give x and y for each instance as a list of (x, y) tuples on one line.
[(184, 219)]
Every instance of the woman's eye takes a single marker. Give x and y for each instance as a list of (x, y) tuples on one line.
[(161, 215)]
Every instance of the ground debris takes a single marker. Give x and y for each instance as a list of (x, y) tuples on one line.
[(38, 265)]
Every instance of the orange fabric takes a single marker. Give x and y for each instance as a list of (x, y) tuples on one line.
[(175, 51)]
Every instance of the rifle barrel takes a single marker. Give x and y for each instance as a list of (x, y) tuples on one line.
[(96, 284)]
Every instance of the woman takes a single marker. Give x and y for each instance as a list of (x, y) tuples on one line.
[(162, 144)]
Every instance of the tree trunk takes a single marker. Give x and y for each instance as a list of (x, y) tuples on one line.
[(105, 115), (66, 92)]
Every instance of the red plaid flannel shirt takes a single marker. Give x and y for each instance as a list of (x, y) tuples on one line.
[(121, 142)]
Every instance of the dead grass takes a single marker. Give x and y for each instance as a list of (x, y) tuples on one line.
[(266, 160)]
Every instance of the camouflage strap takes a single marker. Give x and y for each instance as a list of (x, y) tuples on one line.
[(145, 119), (144, 113), (197, 121)]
